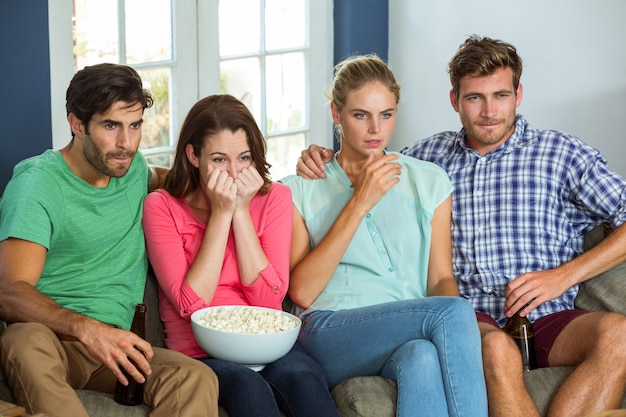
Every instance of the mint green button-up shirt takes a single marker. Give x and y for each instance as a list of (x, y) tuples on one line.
[(387, 259)]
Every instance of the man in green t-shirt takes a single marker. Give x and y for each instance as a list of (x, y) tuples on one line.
[(73, 263)]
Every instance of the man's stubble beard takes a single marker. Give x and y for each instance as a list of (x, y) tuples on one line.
[(94, 155)]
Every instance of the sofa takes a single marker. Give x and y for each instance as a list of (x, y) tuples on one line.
[(375, 396)]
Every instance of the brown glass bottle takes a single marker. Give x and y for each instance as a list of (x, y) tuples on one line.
[(521, 330), (132, 394)]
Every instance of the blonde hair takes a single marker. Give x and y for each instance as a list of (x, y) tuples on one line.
[(353, 73)]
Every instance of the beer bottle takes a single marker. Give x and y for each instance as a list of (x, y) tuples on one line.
[(521, 330), (132, 394)]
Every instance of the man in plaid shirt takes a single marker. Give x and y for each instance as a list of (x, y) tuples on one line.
[(523, 201)]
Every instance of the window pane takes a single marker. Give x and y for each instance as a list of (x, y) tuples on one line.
[(282, 153), (242, 78), (284, 24), (161, 160), (156, 126), (148, 42), (95, 32), (285, 92), (239, 22)]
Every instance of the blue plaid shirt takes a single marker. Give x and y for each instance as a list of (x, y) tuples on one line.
[(525, 206)]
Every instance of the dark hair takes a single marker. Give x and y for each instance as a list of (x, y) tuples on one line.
[(207, 118), (479, 56), (94, 89)]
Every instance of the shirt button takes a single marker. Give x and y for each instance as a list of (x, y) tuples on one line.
[(390, 269), (368, 215), (275, 288)]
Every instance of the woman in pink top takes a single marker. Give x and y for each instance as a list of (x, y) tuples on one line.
[(219, 233)]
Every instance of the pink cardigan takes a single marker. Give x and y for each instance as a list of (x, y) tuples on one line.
[(173, 237)]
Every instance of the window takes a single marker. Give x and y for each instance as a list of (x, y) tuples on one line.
[(266, 70), (274, 55), (112, 31)]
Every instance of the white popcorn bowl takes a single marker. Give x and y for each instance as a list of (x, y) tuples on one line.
[(252, 350)]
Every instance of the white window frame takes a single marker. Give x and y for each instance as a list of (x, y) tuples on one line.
[(196, 72)]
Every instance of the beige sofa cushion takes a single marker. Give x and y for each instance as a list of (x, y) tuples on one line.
[(607, 291), (366, 396)]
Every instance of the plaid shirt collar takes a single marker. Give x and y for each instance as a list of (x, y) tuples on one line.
[(523, 135)]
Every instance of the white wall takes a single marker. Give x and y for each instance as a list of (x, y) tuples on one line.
[(574, 57)]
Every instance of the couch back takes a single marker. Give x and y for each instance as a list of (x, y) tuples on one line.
[(154, 330)]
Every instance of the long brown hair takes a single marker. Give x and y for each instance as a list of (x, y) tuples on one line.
[(207, 118)]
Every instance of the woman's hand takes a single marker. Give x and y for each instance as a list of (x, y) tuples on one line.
[(248, 183), (221, 190), (376, 178)]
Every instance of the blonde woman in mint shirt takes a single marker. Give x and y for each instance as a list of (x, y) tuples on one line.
[(371, 264)]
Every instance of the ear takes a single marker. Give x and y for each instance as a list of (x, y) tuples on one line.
[(335, 113), (454, 101), (191, 156), (77, 126), (518, 95)]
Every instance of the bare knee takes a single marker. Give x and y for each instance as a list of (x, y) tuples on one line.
[(596, 337), (499, 350), (610, 338)]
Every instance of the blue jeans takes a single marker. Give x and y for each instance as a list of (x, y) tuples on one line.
[(295, 384), (431, 347)]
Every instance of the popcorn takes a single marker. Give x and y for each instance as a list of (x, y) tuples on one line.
[(245, 319)]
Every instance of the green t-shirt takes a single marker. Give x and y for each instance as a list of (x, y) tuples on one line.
[(96, 262)]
